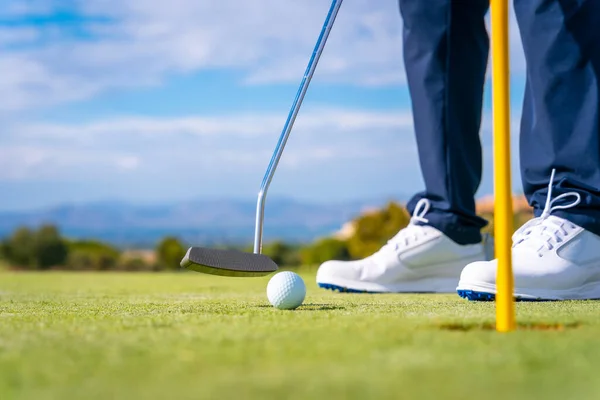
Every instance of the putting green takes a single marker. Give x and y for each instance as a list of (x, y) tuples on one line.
[(194, 336)]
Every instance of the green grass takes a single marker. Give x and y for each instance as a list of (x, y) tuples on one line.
[(193, 336)]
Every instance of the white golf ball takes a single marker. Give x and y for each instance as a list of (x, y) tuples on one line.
[(286, 290)]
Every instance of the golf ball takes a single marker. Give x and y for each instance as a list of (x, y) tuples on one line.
[(286, 290)]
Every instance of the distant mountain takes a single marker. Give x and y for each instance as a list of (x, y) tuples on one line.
[(201, 222)]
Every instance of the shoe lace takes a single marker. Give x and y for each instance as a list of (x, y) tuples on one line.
[(413, 231), (543, 232)]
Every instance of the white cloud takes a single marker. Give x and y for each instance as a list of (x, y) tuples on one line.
[(18, 36), (332, 154), (128, 162), (197, 142), (22, 162), (327, 147), (19, 162), (144, 41), (321, 119)]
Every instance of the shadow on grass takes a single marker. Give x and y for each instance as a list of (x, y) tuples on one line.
[(321, 307), (532, 326), (311, 307)]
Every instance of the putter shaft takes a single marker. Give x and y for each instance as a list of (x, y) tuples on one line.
[(289, 123)]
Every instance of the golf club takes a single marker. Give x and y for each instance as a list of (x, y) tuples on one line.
[(239, 263)]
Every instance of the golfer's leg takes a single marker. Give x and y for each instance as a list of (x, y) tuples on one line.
[(445, 53), (559, 129), (553, 258), (445, 49)]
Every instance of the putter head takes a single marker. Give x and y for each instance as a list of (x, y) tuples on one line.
[(227, 262)]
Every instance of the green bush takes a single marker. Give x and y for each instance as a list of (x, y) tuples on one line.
[(3, 261), (282, 254), (169, 253), (19, 248), (35, 249), (50, 249), (134, 264), (92, 255), (324, 250)]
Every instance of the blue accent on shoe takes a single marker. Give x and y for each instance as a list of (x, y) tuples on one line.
[(476, 296), (341, 289), (484, 296)]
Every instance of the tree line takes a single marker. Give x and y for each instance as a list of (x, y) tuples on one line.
[(45, 248)]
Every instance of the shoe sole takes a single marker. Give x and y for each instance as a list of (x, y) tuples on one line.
[(484, 296), (433, 285), (487, 292)]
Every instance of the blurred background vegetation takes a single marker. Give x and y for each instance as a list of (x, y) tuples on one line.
[(44, 248)]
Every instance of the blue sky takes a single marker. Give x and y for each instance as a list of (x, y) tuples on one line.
[(150, 101)]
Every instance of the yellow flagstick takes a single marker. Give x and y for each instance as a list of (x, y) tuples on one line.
[(503, 225)]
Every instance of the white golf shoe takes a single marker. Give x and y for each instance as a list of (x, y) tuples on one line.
[(419, 258), (553, 259)]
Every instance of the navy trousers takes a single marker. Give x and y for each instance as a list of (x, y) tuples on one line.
[(446, 47)]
